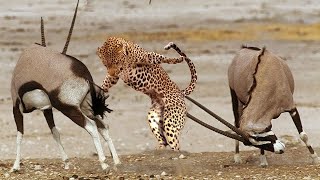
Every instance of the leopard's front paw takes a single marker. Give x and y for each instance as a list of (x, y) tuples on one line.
[(181, 59), (177, 60)]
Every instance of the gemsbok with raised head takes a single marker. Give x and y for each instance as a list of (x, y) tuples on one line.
[(44, 79), (262, 86)]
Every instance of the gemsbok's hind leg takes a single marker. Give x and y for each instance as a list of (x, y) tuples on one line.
[(56, 136), (75, 114), (303, 136), (237, 111), (18, 117), (104, 131)]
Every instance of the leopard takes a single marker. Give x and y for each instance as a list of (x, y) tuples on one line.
[(142, 70)]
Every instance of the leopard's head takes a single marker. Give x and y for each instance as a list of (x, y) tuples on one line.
[(113, 52)]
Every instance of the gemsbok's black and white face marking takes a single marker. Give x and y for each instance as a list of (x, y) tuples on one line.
[(268, 141)]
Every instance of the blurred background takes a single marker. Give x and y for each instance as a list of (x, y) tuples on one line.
[(210, 33)]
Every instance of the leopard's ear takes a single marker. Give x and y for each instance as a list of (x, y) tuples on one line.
[(122, 48), (100, 54), (125, 50), (98, 51)]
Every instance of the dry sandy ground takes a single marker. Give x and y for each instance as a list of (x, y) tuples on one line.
[(210, 32), (165, 164)]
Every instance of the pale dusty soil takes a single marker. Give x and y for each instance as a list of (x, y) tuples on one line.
[(291, 30), (165, 164)]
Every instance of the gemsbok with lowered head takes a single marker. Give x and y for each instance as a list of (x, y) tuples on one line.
[(262, 86), (43, 79)]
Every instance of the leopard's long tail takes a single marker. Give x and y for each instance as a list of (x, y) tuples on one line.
[(192, 68)]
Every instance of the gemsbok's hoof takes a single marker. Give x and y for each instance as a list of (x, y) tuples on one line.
[(316, 161), (14, 170), (66, 165), (107, 171), (315, 158), (117, 162), (104, 166), (237, 159), (263, 165), (263, 161), (115, 168)]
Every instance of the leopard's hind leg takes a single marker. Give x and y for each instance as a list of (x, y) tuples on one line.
[(155, 118), (174, 119)]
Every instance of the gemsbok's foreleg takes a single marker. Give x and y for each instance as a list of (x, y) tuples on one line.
[(237, 111), (303, 136), (263, 159), (18, 117), (56, 136)]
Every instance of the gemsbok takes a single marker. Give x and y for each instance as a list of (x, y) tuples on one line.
[(44, 79), (262, 86)]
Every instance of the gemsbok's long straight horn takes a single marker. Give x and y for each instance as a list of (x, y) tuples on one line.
[(225, 133), (232, 127), (65, 48)]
